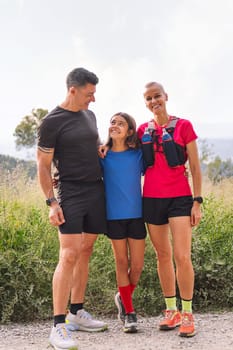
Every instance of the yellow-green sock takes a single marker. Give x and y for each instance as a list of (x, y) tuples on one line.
[(186, 305), (170, 303)]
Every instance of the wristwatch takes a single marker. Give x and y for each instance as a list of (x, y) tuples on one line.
[(49, 201), (198, 199)]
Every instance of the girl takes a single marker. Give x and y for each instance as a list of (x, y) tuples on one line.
[(122, 170)]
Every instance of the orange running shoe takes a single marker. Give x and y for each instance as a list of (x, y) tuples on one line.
[(172, 319), (187, 328)]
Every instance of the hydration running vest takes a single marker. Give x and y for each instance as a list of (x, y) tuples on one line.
[(175, 154)]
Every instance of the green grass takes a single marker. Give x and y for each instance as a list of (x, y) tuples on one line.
[(29, 254)]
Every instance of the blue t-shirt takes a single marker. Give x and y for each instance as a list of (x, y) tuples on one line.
[(122, 180)]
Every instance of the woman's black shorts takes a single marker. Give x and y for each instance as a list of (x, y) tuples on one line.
[(157, 211)]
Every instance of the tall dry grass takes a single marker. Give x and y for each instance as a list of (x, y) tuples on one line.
[(29, 253)]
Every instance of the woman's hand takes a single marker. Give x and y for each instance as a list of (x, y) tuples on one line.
[(196, 214)]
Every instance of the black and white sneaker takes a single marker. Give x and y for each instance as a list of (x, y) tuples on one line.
[(130, 323), (121, 309)]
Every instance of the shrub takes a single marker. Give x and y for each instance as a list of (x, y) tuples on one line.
[(29, 254), (212, 256)]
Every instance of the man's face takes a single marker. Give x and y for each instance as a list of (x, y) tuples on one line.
[(84, 95)]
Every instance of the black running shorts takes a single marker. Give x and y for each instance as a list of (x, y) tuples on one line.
[(127, 228), (157, 211), (83, 205)]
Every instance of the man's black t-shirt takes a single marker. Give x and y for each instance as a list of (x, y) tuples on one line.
[(74, 137)]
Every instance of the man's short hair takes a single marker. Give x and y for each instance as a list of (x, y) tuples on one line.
[(81, 77)]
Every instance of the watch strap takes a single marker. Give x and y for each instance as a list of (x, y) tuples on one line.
[(198, 199), (49, 201)]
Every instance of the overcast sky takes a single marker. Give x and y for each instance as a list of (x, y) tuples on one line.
[(187, 45)]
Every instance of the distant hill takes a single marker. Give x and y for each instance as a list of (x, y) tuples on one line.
[(219, 147), (8, 163)]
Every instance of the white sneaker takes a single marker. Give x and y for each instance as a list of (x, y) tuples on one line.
[(121, 308), (83, 321), (60, 338)]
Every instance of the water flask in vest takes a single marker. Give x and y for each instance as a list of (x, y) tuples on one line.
[(169, 149), (148, 148)]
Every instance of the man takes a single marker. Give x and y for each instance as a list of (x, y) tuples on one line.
[(68, 139)]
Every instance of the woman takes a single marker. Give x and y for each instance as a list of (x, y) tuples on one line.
[(122, 170), (170, 207)]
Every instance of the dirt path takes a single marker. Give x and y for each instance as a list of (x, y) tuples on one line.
[(214, 332)]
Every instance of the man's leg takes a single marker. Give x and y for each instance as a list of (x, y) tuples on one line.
[(81, 270), (70, 247), (70, 250), (78, 318)]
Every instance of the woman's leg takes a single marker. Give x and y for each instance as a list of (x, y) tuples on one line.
[(182, 239), (160, 238)]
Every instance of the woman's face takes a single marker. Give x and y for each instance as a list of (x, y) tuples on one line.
[(155, 99), (119, 128)]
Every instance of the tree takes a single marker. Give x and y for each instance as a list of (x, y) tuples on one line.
[(26, 130), (205, 151), (218, 170)]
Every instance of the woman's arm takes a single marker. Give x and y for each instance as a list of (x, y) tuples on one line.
[(195, 170)]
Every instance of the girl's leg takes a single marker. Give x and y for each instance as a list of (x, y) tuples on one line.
[(120, 250), (136, 254), (129, 259)]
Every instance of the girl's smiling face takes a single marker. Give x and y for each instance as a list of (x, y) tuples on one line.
[(119, 128)]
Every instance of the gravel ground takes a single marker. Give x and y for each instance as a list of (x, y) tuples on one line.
[(214, 332)]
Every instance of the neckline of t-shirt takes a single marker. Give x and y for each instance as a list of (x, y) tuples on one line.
[(126, 150), (69, 111)]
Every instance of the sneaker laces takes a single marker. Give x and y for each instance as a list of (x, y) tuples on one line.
[(131, 317), (63, 332), (84, 314), (168, 314), (187, 319)]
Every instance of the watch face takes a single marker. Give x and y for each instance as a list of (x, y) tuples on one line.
[(49, 201), (198, 199)]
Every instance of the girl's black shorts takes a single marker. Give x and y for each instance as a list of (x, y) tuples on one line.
[(127, 228)]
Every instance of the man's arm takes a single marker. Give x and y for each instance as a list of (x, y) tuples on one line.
[(44, 162)]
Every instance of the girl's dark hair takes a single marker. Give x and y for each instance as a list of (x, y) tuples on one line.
[(132, 141)]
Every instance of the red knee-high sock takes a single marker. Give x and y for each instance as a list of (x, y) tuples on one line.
[(132, 287), (126, 297)]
